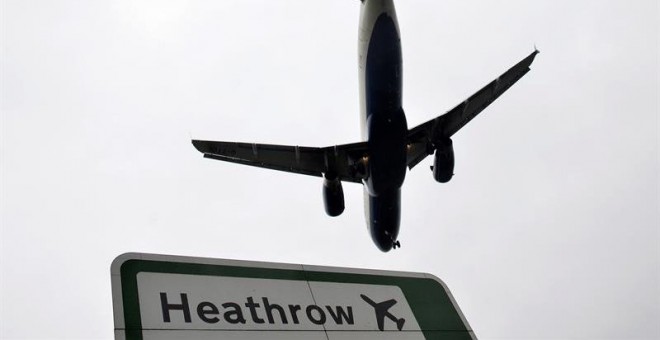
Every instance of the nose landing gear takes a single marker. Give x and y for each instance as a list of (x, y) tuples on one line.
[(395, 243)]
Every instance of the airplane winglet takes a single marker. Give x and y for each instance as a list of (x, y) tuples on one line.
[(199, 145)]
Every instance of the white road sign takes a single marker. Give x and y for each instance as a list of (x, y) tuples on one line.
[(170, 297)]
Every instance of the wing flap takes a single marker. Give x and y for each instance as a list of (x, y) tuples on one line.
[(304, 160), (448, 124), (463, 113), (264, 165), (416, 153)]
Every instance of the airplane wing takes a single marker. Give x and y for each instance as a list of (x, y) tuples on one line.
[(382, 309), (342, 160), (386, 305), (422, 137)]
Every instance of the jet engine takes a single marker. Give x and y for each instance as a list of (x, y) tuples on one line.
[(333, 195), (443, 164)]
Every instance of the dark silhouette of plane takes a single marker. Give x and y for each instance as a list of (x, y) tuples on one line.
[(382, 312), (388, 147)]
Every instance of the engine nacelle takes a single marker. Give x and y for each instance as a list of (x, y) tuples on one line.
[(443, 164), (333, 195)]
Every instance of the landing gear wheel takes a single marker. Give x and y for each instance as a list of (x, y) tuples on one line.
[(396, 244)]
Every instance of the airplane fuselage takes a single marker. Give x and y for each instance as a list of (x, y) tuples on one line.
[(388, 148), (383, 121)]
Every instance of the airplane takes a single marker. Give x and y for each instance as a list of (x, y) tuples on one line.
[(382, 312), (388, 147)]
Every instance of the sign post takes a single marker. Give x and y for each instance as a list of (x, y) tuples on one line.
[(172, 297)]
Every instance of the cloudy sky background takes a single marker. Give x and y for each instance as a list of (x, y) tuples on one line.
[(550, 228)]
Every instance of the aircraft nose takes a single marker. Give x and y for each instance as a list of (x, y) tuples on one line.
[(383, 240), (384, 245), (384, 213)]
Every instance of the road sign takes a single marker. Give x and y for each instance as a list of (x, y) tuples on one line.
[(172, 297)]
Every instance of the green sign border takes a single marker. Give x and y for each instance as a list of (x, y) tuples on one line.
[(432, 306)]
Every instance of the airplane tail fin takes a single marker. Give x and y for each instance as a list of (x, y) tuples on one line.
[(399, 323)]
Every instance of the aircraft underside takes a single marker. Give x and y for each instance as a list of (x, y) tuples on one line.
[(386, 126), (389, 149)]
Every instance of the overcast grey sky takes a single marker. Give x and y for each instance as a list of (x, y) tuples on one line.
[(550, 228)]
